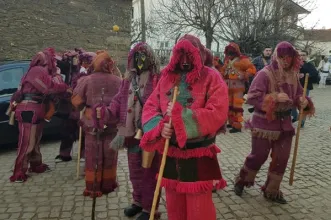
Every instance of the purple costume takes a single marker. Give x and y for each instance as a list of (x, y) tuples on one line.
[(142, 71), (31, 98), (271, 124)]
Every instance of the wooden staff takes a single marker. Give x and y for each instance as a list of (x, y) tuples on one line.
[(163, 162), (79, 145), (296, 146)]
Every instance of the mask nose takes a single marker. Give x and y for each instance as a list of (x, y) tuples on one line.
[(140, 64)]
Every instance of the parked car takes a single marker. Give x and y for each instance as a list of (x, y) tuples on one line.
[(11, 73)]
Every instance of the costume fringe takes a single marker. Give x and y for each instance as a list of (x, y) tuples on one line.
[(194, 52), (92, 194), (193, 187), (209, 151), (152, 139), (20, 176), (269, 105), (39, 169), (310, 109)]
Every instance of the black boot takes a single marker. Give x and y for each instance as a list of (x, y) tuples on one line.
[(278, 199), (238, 189), (132, 210), (60, 158), (143, 216), (234, 130)]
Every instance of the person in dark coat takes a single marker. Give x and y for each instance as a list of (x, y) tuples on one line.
[(313, 78)]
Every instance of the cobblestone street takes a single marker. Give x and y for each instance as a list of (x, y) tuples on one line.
[(58, 195)]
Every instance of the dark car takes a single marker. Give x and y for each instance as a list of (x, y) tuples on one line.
[(11, 73)]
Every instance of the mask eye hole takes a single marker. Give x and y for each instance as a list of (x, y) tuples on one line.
[(143, 57)]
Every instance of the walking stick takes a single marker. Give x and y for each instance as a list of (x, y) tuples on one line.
[(79, 144), (163, 162), (96, 163), (296, 146)]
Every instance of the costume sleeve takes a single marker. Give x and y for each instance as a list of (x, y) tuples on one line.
[(153, 121), (78, 98), (250, 68), (113, 110), (259, 97), (199, 122), (44, 83)]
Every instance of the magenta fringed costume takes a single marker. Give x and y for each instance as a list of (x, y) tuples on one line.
[(271, 124), (192, 169), (143, 70), (88, 93), (35, 87)]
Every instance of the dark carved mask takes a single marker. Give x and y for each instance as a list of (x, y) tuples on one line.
[(186, 62), (141, 61)]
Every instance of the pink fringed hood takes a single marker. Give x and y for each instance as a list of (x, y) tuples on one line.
[(286, 49), (45, 58), (191, 45)]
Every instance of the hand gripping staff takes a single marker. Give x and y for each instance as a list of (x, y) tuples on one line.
[(296, 146), (98, 133), (163, 162)]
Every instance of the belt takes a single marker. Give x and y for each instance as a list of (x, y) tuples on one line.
[(33, 97), (279, 115), (283, 114), (194, 145), (324, 71)]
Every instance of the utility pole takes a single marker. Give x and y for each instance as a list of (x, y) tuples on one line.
[(143, 21)]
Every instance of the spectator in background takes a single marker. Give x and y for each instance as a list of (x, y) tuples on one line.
[(313, 78), (324, 68), (264, 59), (260, 62)]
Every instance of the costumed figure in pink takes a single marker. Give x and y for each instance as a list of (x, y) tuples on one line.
[(30, 104), (140, 81), (192, 170), (273, 93), (100, 84)]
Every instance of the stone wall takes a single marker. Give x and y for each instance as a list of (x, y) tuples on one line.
[(28, 26)]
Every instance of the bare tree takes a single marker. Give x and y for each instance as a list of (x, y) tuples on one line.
[(143, 20), (151, 30), (198, 16), (254, 24)]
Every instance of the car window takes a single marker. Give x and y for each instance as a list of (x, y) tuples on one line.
[(10, 79)]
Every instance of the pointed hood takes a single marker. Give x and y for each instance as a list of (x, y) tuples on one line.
[(195, 49), (154, 66)]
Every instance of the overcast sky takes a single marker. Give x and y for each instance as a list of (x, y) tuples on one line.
[(322, 15)]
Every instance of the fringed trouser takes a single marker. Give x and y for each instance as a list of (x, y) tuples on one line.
[(236, 110), (186, 206), (143, 179), (107, 164), (280, 153), (28, 151)]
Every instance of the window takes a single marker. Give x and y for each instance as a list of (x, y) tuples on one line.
[(166, 44), (10, 79)]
